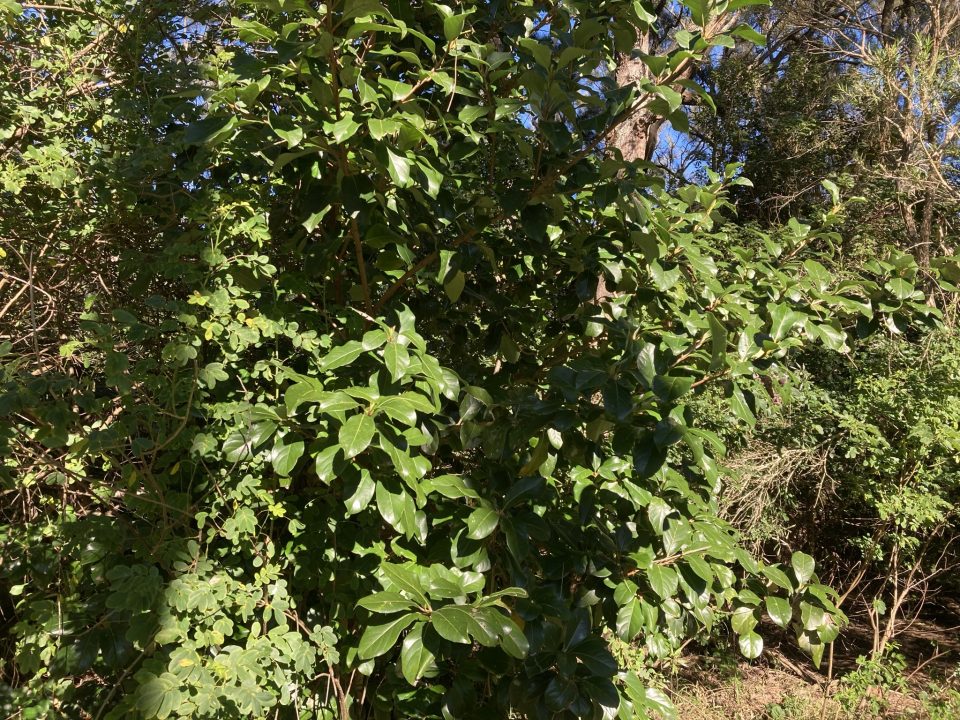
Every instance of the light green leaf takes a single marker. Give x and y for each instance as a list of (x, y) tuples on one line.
[(386, 602), (481, 522), (803, 566), (334, 402), (778, 577), (344, 129), (832, 189), (663, 580), (399, 168), (397, 360), (718, 342), (381, 127), (832, 338), (450, 486), (299, 393), (782, 320), (399, 409), (341, 355), (743, 620), (646, 364), (657, 700), (779, 610), (750, 35), (158, 696), (630, 620), (405, 578), (14, 9), (415, 659), (901, 289), (751, 645), (453, 26), (292, 137)]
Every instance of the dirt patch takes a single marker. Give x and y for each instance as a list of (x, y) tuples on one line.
[(768, 693), (751, 692), (784, 685)]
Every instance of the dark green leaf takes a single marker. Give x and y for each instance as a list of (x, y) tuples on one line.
[(452, 623), (379, 639), (286, 453)]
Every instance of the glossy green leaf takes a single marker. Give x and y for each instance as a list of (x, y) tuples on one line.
[(379, 639), (345, 128), (356, 434), (751, 645), (405, 578), (386, 602), (512, 639), (482, 522), (341, 355), (399, 168), (286, 453), (416, 660), (397, 360), (779, 610), (630, 620), (778, 577), (362, 496), (803, 566), (452, 623), (671, 388), (663, 580)]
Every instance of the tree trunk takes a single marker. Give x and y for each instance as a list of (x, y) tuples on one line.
[(636, 138)]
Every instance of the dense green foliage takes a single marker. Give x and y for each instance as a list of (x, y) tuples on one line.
[(857, 466), (373, 391)]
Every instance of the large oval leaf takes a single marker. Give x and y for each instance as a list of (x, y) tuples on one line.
[(379, 639), (356, 434)]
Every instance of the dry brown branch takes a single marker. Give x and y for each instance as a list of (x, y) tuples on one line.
[(760, 480)]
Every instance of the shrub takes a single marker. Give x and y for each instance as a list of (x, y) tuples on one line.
[(394, 420)]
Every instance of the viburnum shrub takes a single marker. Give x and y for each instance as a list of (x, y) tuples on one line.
[(394, 422)]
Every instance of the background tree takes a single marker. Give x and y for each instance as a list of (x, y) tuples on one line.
[(866, 93)]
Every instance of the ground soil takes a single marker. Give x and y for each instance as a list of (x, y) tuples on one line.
[(784, 685)]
